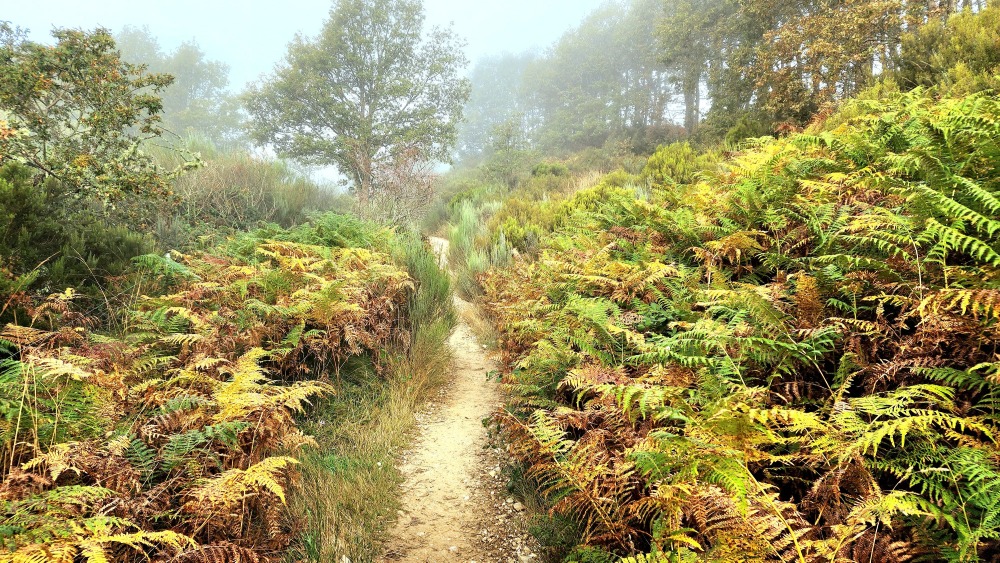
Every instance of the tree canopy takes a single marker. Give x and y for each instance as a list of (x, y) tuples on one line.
[(370, 91), (76, 112)]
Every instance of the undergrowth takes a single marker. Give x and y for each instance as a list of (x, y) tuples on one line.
[(349, 491), (180, 436), (788, 355)]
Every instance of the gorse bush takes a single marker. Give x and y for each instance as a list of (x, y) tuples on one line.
[(788, 358), (960, 55)]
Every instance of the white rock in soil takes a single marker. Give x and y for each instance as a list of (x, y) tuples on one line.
[(518, 507), (453, 549)]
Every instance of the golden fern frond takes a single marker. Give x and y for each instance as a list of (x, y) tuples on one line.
[(56, 461), (296, 396), (54, 367), (233, 486), (93, 548), (191, 316), (116, 446), (186, 340), (977, 302), (90, 538), (205, 364)]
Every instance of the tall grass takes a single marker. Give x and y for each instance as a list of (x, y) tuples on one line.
[(349, 489), (469, 255), (235, 190)]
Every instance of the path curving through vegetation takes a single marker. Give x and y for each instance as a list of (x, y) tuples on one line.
[(452, 509)]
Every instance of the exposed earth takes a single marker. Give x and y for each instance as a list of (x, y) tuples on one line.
[(455, 505)]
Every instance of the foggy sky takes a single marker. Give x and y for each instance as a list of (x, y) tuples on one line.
[(251, 36)]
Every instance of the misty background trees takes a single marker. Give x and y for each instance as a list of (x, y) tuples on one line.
[(643, 72), (198, 101), (372, 95)]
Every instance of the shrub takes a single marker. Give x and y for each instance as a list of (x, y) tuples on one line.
[(234, 190), (677, 163), (68, 242)]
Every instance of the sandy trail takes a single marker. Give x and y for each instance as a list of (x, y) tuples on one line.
[(453, 504)]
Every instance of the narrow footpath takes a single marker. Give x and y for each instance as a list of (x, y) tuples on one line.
[(454, 504)]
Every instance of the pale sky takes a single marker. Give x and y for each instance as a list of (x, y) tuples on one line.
[(251, 35)]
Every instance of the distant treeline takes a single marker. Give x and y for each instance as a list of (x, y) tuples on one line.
[(637, 73)]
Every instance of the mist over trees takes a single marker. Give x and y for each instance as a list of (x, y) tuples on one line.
[(371, 94), (198, 101), (642, 72)]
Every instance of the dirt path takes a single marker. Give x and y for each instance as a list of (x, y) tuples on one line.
[(454, 507)]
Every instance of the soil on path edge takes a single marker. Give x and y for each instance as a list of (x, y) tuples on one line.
[(454, 507)]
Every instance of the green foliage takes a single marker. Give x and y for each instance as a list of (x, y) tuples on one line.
[(959, 55), (414, 94), (43, 238), (469, 257), (787, 355), (508, 158), (78, 113), (234, 190), (677, 163)]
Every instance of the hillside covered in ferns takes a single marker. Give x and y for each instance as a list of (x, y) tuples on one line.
[(788, 352), (760, 348), (180, 435)]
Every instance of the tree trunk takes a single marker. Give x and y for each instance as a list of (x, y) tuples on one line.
[(692, 100)]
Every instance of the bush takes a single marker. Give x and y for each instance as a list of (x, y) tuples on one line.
[(550, 169), (959, 57), (68, 242), (677, 163), (234, 190)]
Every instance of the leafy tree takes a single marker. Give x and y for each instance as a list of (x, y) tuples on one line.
[(826, 50), (198, 100), (509, 156), (77, 112), (369, 89), (960, 54)]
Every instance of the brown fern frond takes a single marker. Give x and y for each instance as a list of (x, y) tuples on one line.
[(881, 547), (26, 337), (218, 553), (808, 306)]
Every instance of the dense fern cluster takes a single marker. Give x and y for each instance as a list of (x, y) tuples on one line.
[(792, 357), (177, 440)]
